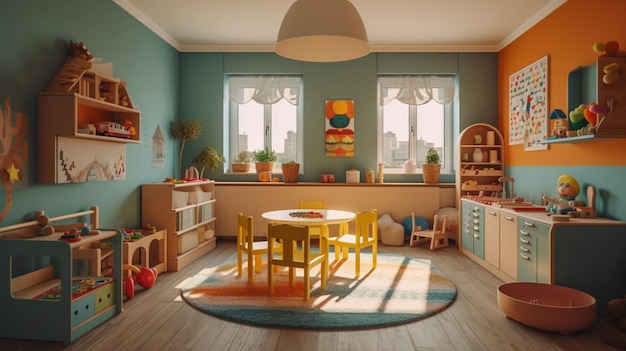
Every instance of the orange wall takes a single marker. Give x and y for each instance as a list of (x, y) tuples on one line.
[(566, 36)]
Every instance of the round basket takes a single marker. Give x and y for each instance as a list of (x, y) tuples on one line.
[(431, 172)]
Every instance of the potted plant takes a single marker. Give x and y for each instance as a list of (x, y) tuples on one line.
[(241, 163), (291, 170), (432, 167), (208, 158), (184, 130), (264, 160)]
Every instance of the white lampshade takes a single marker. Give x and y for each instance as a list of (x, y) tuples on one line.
[(322, 31)]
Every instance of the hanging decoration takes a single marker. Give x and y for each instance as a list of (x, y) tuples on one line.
[(339, 136), (13, 154)]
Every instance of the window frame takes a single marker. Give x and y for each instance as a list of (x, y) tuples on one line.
[(232, 119), (447, 157)]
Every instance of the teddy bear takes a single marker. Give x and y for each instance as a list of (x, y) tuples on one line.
[(614, 334)]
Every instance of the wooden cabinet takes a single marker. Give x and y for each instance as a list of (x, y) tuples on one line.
[(508, 244), (481, 161), (187, 212), (587, 254), (533, 263), (39, 274), (473, 227), (492, 242)]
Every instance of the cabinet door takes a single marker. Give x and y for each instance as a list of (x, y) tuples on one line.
[(508, 244), (478, 230), (527, 262), (492, 236), (466, 225)]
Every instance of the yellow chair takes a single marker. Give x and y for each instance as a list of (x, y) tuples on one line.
[(296, 253), (314, 205), (253, 249), (437, 236), (365, 235)]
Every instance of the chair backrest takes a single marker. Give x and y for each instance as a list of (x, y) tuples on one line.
[(245, 230), (313, 204), (366, 226), (439, 224), (296, 244)]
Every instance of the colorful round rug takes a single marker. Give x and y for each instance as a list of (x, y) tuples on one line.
[(399, 290)]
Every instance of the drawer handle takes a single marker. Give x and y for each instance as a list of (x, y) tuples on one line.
[(524, 257), (476, 228), (528, 224), (493, 213), (476, 236), (524, 249), (524, 233), (524, 241), (508, 218)]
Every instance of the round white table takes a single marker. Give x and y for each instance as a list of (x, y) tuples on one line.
[(328, 217)]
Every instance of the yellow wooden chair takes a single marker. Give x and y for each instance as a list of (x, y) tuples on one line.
[(296, 253), (365, 235), (253, 249), (436, 236), (314, 205)]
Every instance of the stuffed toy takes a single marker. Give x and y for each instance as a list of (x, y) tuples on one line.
[(615, 333), (567, 189)]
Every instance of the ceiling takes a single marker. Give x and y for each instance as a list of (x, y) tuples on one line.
[(392, 25)]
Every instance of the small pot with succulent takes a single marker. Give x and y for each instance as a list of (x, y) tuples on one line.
[(431, 168), (241, 163), (264, 160), (208, 158)]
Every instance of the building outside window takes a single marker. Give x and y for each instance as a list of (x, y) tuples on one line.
[(265, 112), (415, 114)]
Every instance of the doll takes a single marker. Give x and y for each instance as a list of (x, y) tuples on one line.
[(567, 189)]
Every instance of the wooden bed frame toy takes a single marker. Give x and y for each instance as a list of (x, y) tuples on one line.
[(47, 262)]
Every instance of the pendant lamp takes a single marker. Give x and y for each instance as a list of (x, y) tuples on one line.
[(322, 31)]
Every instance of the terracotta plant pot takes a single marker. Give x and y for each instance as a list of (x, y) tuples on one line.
[(264, 166), (240, 167), (431, 172), (290, 172)]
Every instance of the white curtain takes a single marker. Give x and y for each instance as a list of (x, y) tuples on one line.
[(416, 90), (264, 89)]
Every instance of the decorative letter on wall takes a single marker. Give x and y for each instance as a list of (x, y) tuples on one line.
[(528, 106), (339, 136)]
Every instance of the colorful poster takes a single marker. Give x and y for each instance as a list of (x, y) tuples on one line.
[(339, 136), (528, 106)]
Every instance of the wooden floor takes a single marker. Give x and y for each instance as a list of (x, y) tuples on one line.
[(157, 319)]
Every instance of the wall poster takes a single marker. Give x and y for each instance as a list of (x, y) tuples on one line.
[(528, 106), (339, 136)]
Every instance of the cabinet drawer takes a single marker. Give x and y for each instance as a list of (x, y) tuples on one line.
[(104, 297), (82, 309)]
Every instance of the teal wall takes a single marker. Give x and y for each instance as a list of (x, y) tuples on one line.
[(165, 84), (201, 96), (34, 36)]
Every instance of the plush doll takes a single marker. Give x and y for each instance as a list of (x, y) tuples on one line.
[(567, 189)]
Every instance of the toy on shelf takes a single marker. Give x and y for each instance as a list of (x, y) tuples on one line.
[(144, 276), (567, 190)]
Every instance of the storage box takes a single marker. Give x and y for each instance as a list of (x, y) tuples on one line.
[(197, 197), (185, 219), (179, 199), (187, 241), (205, 212)]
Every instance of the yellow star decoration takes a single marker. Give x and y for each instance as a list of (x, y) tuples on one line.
[(13, 173)]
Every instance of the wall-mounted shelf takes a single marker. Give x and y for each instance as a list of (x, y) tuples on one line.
[(576, 139)]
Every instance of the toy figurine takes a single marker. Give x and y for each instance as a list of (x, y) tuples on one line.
[(567, 190)]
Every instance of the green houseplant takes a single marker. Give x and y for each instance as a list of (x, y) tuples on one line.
[(431, 168), (185, 129), (264, 160), (241, 163), (208, 158)]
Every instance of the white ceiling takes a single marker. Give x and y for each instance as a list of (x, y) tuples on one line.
[(392, 25)]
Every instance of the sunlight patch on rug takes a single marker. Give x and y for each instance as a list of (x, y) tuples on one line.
[(399, 290)]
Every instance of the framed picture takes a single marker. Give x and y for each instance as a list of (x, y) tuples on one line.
[(339, 122), (528, 106)]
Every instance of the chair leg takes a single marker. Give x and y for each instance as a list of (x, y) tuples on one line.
[(239, 261), (307, 285), (357, 254), (270, 278), (258, 263), (250, 267)]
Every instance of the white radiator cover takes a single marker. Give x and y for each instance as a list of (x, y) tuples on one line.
[(399, 200)]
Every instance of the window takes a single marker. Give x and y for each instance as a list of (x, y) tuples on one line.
[(265, 112), (414, 114)]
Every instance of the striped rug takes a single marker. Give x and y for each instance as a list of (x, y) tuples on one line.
[(399, 290)]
